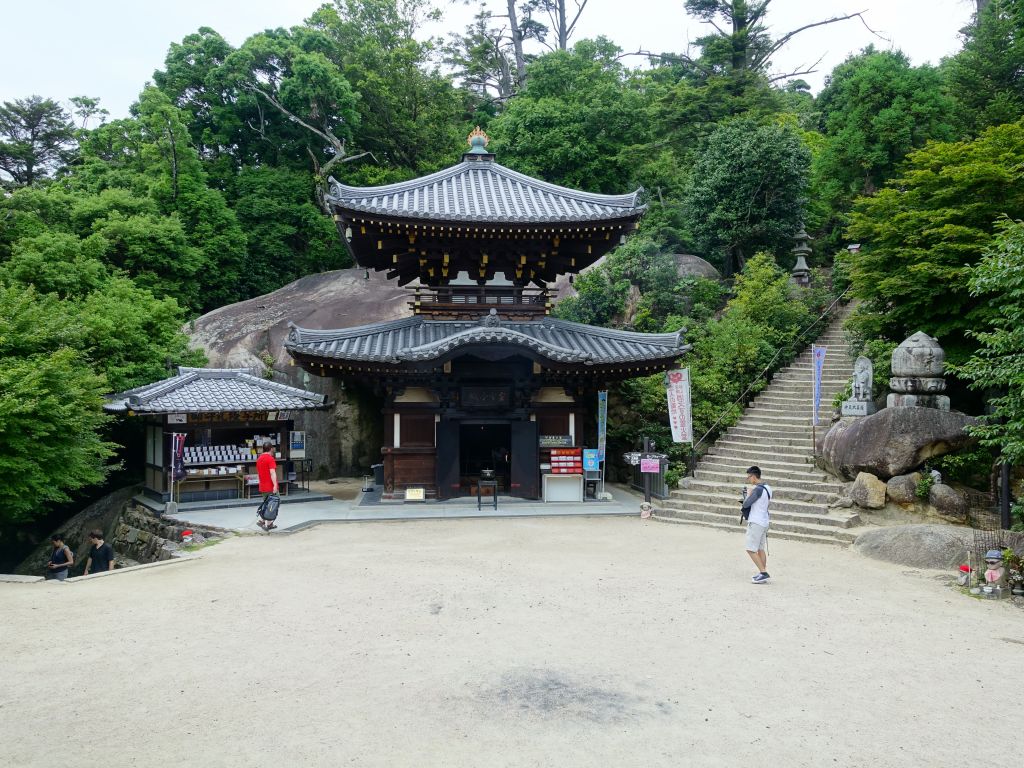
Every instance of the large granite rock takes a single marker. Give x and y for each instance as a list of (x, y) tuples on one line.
[(868, 491), (902, 489), (919, 546), (893, 441), (688, 265), (948, 502), (242, 335)]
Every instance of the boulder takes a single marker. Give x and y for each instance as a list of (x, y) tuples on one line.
[(948, 502), (919, 546), (868, 491), (688, 265), (893, 441), (902, 489)]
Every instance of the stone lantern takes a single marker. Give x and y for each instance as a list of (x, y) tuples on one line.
[(801, 273), (917, 379)]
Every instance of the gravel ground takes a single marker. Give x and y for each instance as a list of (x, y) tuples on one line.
[(529, 642)]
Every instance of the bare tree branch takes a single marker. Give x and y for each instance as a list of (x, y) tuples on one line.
[(787, 75), (782, 41)]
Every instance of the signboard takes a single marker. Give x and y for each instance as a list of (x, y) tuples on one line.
[(677, 390), (819, 364), (415, 494), (555, 441), (591, 460), (602, 422), (652, 466), (485, 397), (855, 408), (297, 445), (177, 418)]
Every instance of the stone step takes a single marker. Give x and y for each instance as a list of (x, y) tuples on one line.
[(724, 493), (769, 425), (737, 465), (806, 481), (769, 441), (757, 452), (776, 415), (732, 515), (833, 537)]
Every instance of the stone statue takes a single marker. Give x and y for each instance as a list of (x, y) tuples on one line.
[(861, 403), (863, 376), (917, 367)]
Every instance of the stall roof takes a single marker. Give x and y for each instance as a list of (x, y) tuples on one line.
[(212, 390)]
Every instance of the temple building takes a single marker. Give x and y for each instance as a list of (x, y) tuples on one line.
[(480, 380)]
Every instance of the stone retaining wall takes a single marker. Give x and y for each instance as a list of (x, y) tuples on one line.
[(143, 537)]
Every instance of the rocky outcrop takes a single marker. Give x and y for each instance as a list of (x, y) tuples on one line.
[(103, 515), (688, 265), (919, 546), (893, 441), (344, 439), (948, 502), (902, 489), (868, 491)]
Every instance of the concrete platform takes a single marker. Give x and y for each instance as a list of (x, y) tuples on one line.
[(297, 517)]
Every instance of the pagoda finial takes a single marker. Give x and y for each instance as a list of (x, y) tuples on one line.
[(478, 141)]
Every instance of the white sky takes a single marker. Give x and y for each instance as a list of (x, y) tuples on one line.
[(110, 48)]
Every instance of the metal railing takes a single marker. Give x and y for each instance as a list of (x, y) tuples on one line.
[(761, 376)]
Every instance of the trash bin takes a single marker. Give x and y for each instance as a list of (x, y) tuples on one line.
[(378, 474)]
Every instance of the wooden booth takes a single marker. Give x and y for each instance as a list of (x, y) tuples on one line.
[(224, 415), (480, 383)]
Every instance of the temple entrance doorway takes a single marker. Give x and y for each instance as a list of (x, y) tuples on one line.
[(482, 447)]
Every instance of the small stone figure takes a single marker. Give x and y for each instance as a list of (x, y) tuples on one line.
[(917, 367), (862, 402), (994, 570)]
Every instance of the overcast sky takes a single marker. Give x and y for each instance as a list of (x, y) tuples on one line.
[(110, 48)]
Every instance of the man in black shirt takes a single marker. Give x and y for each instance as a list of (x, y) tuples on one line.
[(101, 554)]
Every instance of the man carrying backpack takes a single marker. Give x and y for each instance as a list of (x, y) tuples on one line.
[(755, 512)]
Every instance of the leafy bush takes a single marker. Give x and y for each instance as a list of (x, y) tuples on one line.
[(924, 485), (971, 467)]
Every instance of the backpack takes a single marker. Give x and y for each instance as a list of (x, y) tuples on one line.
[(268, 507)]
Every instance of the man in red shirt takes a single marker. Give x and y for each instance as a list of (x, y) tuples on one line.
[(266, 469)]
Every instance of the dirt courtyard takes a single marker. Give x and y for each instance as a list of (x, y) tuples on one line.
[(527, 642)]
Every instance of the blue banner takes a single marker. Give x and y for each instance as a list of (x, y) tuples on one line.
[(819, 364), (602, 422)]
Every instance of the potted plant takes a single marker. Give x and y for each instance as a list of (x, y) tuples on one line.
[(1014, 571)]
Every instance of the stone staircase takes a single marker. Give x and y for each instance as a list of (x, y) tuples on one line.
[(775, 433)]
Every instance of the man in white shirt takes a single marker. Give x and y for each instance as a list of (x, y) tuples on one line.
[(755, 512)]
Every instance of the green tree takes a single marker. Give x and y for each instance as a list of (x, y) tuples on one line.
[(288, 235), (924, 231), (50, 407), (37, 139), (746, 191), (987, 78), (875, 108), (997, 367), (571, 122)]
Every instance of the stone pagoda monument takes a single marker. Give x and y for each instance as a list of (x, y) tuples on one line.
[(917, 379)]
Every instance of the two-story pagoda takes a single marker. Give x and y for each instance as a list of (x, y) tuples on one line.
[(480, 377)]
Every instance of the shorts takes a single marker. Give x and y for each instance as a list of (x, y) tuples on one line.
[(757, 537), (60, 575)]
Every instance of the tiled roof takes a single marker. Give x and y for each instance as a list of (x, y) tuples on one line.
[(417, 339), (481, 190), (209, 390)]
